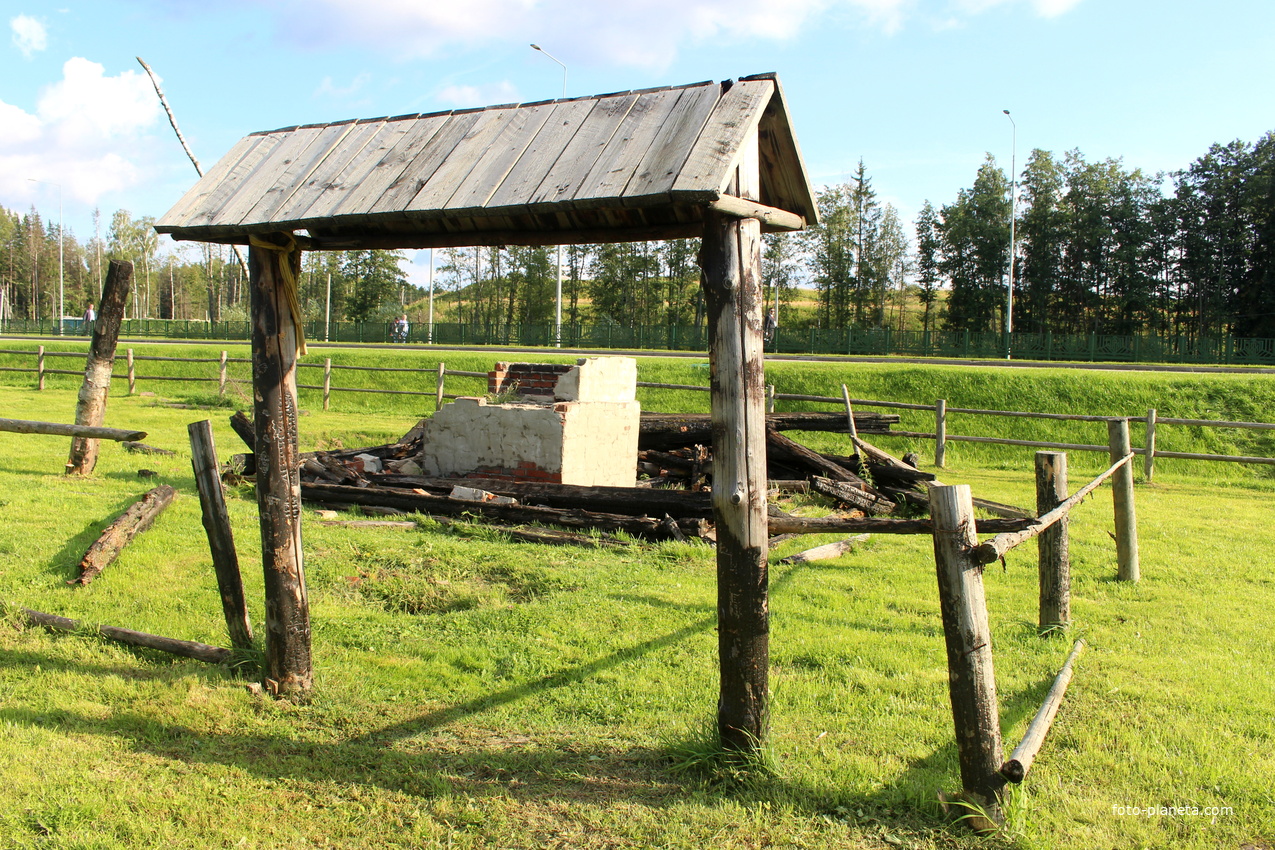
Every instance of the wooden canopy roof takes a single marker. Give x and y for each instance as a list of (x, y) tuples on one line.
[(616, 167)]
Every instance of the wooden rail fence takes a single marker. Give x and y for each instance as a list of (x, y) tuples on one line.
[(940, 408)]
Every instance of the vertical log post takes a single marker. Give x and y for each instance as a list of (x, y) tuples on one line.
[(221, 540), (1122, 495), (731, 263), (1148, 460), (971, 680), (132, 374), (1052, 544), (327, 381), (770, 398), (90, 408), (274, 359), (39, 369), (438, 398), (940, 433), (221, 376)]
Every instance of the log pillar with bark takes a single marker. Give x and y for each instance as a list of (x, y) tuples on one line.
[(731, 264), (273, 270), (90, 409), (970, 677)]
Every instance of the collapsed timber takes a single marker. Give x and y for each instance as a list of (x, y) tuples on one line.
[(868, 490)]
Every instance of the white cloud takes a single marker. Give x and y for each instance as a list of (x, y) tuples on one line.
[(84, 135), (1054, 8), (29, 35), (329, 89), (466, 96), (633, 33), (1044, 8)]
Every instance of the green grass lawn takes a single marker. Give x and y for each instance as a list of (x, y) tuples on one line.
[(472, 692)]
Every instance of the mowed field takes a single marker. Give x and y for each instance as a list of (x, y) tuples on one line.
[(473, 692)]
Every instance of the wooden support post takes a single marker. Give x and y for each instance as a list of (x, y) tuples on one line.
[(770, 398), (221, 376), (1148, 460), (274, 359), (327, 381), (39, 369), (442, 373), (1054, 565), (731, 262), (1122, 495), (90, 409), (940, 433), (971, 680), (132, 374), (221, 540)]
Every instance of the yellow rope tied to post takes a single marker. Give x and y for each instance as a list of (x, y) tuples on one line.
[(290, 266)]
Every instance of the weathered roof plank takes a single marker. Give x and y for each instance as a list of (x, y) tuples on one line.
[(613, 167)]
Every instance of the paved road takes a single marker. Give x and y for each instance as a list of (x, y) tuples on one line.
[(814, 358)]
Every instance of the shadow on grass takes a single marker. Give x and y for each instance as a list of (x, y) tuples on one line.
[(507, 764)]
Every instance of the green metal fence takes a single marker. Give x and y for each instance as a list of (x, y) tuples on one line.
[(879, 342)]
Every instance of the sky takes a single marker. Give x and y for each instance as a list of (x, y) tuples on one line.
[(914, 88)]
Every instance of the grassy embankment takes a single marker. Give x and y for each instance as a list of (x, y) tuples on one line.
[(476, 693)]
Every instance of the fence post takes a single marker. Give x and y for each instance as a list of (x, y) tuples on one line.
[(221, 376), (1122, 496), (327, 381), (39, 368), (940, 433), (1148, 461), (132, 374), (971, 679), (770, 398), (438, 397), (1054, 565)]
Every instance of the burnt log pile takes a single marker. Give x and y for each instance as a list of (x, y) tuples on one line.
[(671, 499)]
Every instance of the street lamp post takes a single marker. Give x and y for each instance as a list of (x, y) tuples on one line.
[(61, 263), (1013, 215), (557, 324)]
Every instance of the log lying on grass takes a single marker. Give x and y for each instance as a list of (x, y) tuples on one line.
[(59, 429), (1020, 761), (645, 527), (117, 535), (184, 648), (142, 448), (826, 552)]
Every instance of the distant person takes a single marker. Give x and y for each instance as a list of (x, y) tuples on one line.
[(772, 322), (400, 329), (90, 316)]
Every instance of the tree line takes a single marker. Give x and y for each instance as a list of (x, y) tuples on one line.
[(1099, 248), (1105, 249)]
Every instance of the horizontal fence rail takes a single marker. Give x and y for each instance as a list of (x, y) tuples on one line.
[(880, 342)]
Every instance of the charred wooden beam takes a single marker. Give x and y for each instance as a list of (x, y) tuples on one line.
[(620, 500), (409, 500), (674, 430)]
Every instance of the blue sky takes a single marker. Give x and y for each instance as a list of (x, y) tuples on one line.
[(914, 87)]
